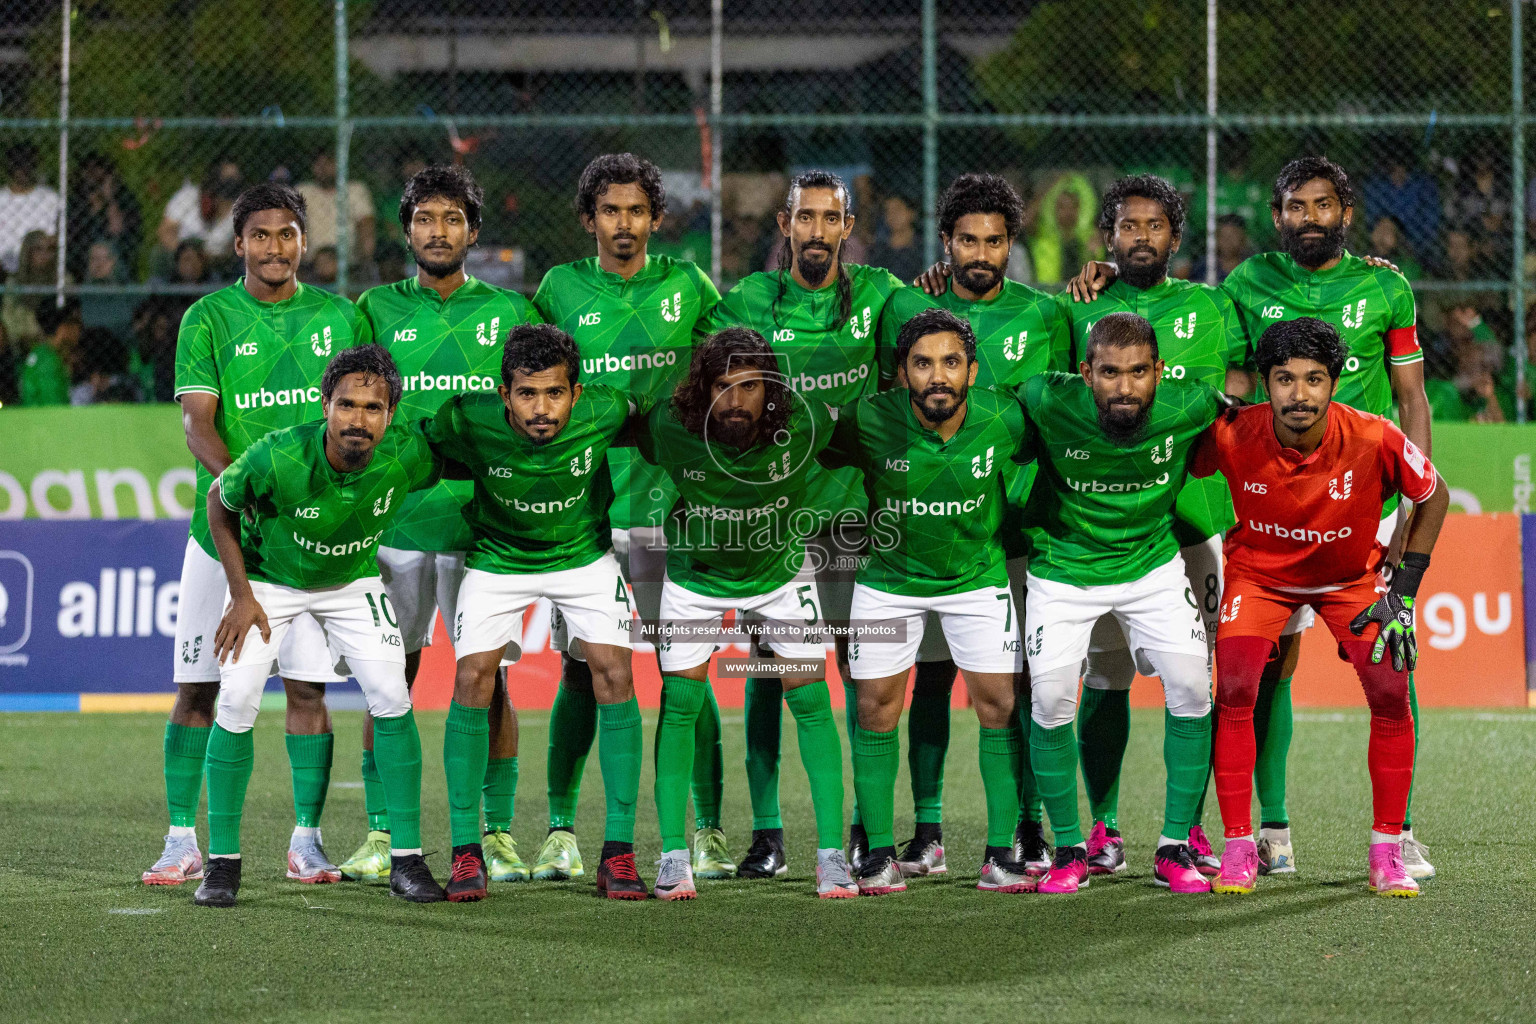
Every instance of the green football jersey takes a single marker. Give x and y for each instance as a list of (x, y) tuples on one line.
[(740, 521), (442, 347), (934, 505), (308, 526), (635, 335), (1372, 308), (263, 361), (1198, 337), (1100, 513), (536, 508), (826, 358)]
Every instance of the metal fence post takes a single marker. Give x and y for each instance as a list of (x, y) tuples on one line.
[(1211, 132), (63, 233), (343, 151), (1517, 197), (930, 133)]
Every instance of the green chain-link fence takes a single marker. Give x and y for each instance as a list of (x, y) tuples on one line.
[(174, 105)]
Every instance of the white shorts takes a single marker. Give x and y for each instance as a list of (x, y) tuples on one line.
[(1156, 613), (642, 555), (935, 646), (419, 583), (593, 602), (204, 591), (360, 633), (796, 603), (982, 627), (835, 557)]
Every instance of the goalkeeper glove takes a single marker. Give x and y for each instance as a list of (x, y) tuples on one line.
[(1393, 612)]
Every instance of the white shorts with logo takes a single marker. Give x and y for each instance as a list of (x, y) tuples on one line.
[(419, 583), (358, 631), (590, 602), (642, 555), (204, 591), (935, 644), (795, 603), (981, 627), (1156, 613)]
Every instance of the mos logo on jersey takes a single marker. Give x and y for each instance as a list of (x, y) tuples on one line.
[(1354, 316), (247, 348), (1012, 352), (1162, 453), (1184, 326), (406, 334), (485, 337), (672, 309), (1273, 312), (581, 466), (977, 469), (320, 342), (860, 323)]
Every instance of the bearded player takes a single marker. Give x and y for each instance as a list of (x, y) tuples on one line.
[(635, 317), (444, 330), (249, 360), (1308, 478)]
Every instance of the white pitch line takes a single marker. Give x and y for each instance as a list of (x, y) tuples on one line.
[(136, 911)]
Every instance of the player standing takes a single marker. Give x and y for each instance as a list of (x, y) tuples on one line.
[(1308, 477), (539, 516), (315, 499), (444, 330), (824, 318), (1112, 445), (248, 361), (738, 444), (635, 317), (932, 454)]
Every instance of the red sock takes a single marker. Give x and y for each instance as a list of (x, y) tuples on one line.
[(1390, 758), (1234, 755)]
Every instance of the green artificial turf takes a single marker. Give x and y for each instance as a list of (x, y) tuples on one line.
[(82, 812)]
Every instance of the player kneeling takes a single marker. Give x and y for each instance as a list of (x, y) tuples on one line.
[(315, 498), (931, 455), (1308, 480)]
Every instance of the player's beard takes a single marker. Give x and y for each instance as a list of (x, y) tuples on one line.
[(1121, 426), (979, 277), (538, 440), (736, 429), (1141, 275), (439, 265), (1313, 252), (814, 261), (350, 455), (939, 403)]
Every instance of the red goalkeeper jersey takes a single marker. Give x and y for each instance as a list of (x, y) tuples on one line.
[(1309, 523)]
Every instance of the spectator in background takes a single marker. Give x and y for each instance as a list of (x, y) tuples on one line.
[(1480, 207), (1064, 237), (1232, 247), (103, 362), (201, 213), (322, 268), (1409, 195), (102, 209), (156, 321), (1479, 364), (109, 311), (45, 372), (897, 246), (25, 206), (191, 265), (1389, 241), (39, 269), (320, 195)]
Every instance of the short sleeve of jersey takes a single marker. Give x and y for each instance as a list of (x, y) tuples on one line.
[(1236, 336), (195, 367), (844, 449), (709, 299), (442, 431), (1236, 288), (425, 467), (245, 481), (1408, 470), (903, 305), (822, 425), (362, 326), (1402, 328), (1028, 396), (610, 406), (1205, 457), (1059, 319)]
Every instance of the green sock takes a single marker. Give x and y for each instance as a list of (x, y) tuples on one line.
[(186, 748), (763, 707), (499, 792), (230, 758), (822, 755), (1186, 760), (1103, 729), (466, 749), (1053, 752), (851, 717), (1272, 727), (681, 700), (309, 759), (876, 760), (998, 754), (397, 742), (374, 801), (1413, 708), (619, 753), (928, 739), (708, 764), (572, 727), (1030, 806)]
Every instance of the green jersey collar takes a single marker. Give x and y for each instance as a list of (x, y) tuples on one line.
[(292, 300), (1301, 273), (422, 293), (1130, 293), (928, 435), (617, 280)]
